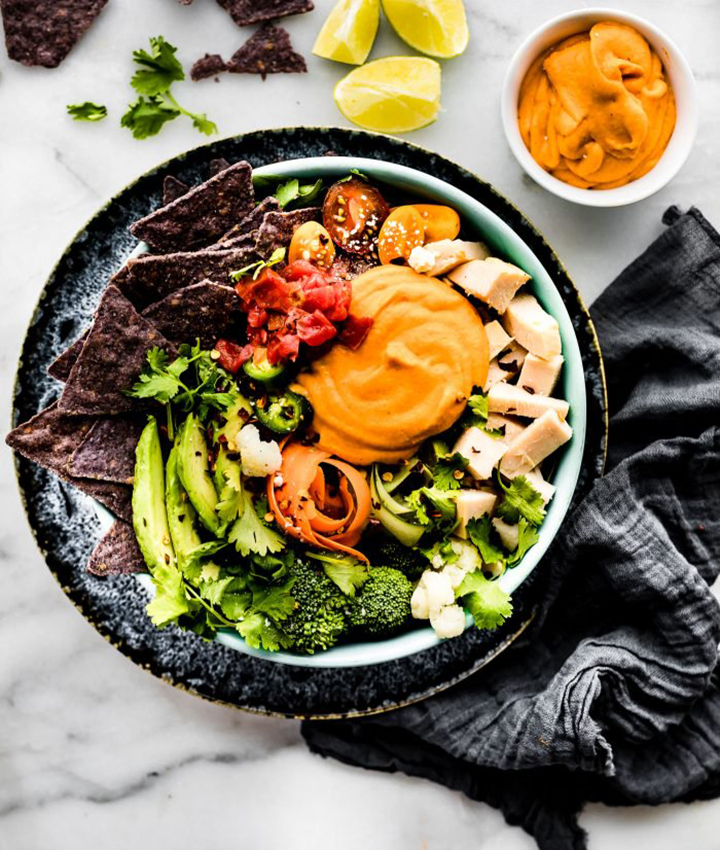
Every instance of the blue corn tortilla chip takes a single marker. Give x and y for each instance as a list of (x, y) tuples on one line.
[(43, 32), (148, 279), (204, 311), (107, 452), (117, 553), (210, 65), (248, 225), (61, 366), (245, 12), (51, 438), (268, 51), (173, 189), (277, 229), (217, 165), (111, 359), (202, 215)]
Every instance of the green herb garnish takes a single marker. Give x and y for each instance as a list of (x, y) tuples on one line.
[(87, 111)]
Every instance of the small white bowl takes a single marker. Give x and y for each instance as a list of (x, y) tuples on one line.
[(678, 73)]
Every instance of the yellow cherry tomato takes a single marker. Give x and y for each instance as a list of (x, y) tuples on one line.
[(440, 222), (402, 231), (312, 242)]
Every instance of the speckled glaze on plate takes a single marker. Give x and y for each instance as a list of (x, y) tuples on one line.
[(66, 525)]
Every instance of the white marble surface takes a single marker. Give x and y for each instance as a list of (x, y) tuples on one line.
[(93, 751)]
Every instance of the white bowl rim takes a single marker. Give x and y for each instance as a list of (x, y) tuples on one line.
[(369, 653), (681, 142)]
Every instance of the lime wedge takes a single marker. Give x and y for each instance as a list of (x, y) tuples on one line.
[(436, 27), (393, 95), (349, 31)]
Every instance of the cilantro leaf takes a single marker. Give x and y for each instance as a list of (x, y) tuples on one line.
[(170, 601), (275, 601), (158, 380), (87, 111), (442, 549), (482, 534), (250, 534), (433, 507), (277, 256), (527, 538), (261, 633), (229, 485), (159, 68), (147, 116), (346, 572), (488, 603), (521, 499), (293, 190), (236, 599), (444, 471), (192, 562), (202, 123)]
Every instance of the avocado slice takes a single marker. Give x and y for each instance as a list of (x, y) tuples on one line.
[(150, 519), (235, 417), (182, 517), (193, 467)]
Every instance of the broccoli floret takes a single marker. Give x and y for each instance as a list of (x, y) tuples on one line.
[(382, 605), (391, 553), (319, 617)]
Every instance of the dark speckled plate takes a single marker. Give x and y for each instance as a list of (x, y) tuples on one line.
[(66, 526)]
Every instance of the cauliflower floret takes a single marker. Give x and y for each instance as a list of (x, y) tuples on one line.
[(257, 457), (448, 622), (439, 590), (455, 574), (419, 603), (421, 259)]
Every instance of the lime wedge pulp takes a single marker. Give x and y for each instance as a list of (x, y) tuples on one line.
[(349, 31), (393, 95), (436, 27)]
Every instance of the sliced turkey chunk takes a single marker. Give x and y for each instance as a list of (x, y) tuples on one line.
[(540, 376), (532, 327), (491, 280), (508, 426), (540, 439), (482, 451), (544, 488), (508, 534), (497, 338), (437, 258), (472, 504), (506, 365), (508, 398)]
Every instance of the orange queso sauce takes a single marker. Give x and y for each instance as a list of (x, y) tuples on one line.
[(595, 110)]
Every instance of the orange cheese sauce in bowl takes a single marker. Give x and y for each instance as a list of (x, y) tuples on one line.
[(596, 110)]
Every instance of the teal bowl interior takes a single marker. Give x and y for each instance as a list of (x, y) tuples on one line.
[(492, 230)]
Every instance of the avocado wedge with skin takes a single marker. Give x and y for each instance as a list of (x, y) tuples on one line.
[(193, 467), (148, 501)]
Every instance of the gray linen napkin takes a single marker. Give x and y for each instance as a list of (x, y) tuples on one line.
[(614, 695)]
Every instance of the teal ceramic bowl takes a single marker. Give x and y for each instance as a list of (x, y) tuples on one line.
[(504, 242)]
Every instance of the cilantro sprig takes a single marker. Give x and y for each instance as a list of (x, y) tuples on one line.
[(87, 111), (156, 105), (277, 256), (488, 603), (520, 498)]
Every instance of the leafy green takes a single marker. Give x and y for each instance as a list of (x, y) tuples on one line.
[(159, 69), (442, 547), (156, 105), (527, 538), (293, 190), (87, 111), (354, 173), (483, 536), (170, 601), (261, 633), (488, 603), (476, 412), (520, 499), (193, 566), (251, 534), (443, 472), (277, 256), (348, 573), (433, 507), (230, 488), (193, 381)]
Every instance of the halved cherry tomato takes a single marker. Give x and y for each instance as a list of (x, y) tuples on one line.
[(353, 213), (440, 222), (312, 242), (402, 231)]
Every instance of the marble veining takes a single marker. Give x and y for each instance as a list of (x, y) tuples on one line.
[(95, 752)]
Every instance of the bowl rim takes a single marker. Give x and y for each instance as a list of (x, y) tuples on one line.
[(361, 654), (680, 74)]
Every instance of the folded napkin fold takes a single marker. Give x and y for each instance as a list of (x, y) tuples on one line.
[(613, 694)]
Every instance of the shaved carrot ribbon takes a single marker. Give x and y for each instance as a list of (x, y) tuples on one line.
[(307, 510)]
